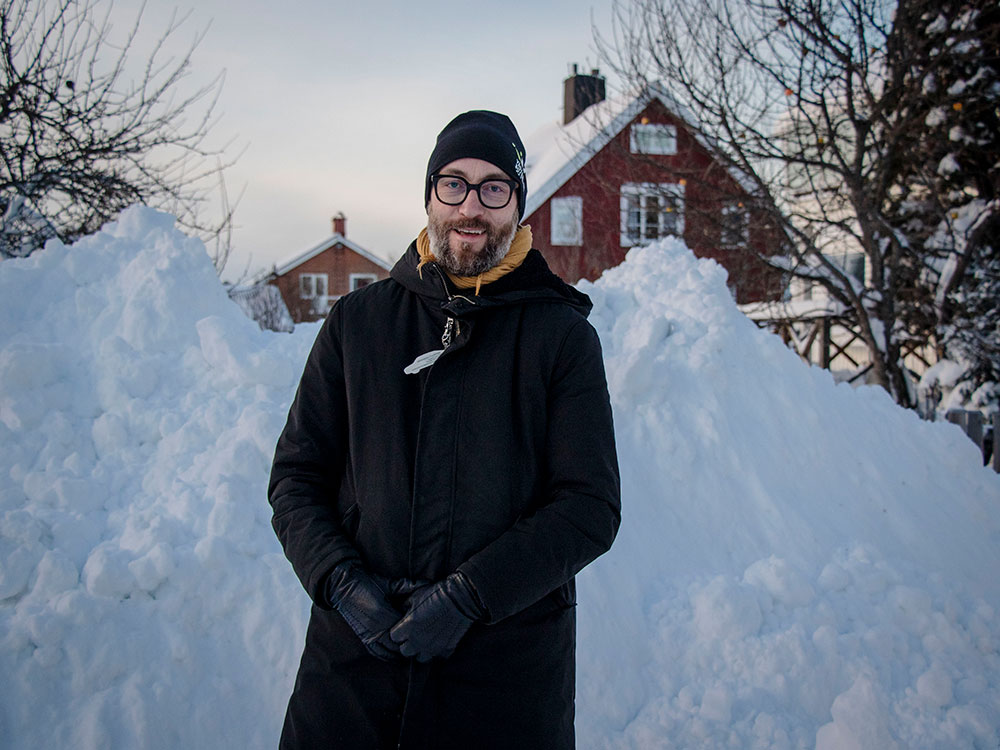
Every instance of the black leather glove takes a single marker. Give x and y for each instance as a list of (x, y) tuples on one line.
[(362, 602), (437, 617)]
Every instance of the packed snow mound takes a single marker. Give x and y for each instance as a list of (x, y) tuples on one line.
[(145, 601), (756, 453), (800, 564)]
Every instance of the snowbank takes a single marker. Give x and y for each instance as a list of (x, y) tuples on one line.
[(145, 601), (800, 564)]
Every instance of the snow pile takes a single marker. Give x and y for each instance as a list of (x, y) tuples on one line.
[(800, 564), (145, 601)]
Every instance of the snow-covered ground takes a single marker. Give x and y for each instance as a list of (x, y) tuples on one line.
[(800, 564)]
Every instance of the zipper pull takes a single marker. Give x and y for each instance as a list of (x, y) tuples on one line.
[(449, 328), (429, 358)]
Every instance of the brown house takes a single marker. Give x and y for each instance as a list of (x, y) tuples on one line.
[(620, 173), (312, 281)]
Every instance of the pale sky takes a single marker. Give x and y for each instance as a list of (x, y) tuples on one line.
[(338, 103)]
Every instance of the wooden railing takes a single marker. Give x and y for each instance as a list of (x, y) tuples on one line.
[(826, 340), (823, 338)]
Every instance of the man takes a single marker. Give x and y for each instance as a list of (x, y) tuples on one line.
[(447, 467)]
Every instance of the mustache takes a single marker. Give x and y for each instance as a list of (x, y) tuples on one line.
[(467, 224)]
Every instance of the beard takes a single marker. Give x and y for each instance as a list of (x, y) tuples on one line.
[(466, 261)]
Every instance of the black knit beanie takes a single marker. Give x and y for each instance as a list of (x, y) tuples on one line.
[(484, 135)]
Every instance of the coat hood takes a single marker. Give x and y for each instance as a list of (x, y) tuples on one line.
[(532, 281)]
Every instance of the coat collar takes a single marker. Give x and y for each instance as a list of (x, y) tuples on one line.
[(532, 281)]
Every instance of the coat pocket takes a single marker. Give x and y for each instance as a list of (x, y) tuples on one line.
[(565, 595)]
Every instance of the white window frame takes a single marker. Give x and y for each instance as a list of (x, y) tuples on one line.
[(852, 263), (742, 229), (638, 196), (653, 138), (566, 218), (321, 303), (354, 278), (312, 292)]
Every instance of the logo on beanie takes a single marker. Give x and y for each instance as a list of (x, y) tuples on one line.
[(518, 162)]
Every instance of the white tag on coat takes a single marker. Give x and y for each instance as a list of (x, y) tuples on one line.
[(424, 360)]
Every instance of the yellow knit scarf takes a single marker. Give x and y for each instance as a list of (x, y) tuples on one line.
[(515, 256)]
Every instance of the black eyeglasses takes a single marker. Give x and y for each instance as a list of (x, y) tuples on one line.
[(451, 190)]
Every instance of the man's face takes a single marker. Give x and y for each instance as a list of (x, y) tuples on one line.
[(469, 238)]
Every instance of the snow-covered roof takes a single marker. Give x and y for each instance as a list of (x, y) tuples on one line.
[(333, 239), (556, 152)]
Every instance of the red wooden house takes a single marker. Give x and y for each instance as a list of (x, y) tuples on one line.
[(312, 281), (620, 173)]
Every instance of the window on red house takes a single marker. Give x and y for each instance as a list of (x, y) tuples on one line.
[(653, 138), (567, 220), (650, 211), (735, 225)]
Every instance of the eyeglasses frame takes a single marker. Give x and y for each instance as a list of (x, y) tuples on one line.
[(470, 187)]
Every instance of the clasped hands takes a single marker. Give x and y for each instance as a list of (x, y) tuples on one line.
[(432, 619)]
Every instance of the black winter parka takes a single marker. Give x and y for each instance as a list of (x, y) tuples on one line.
[(497, 460)]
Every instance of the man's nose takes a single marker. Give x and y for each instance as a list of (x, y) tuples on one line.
[(472, 206)]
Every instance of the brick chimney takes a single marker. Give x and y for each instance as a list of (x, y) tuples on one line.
[(340, 224), (581, 91)]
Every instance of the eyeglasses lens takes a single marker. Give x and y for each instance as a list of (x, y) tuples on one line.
[(452, 191)]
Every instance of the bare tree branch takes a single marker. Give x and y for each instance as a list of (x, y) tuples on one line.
[(803, 97), (89, 126)]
